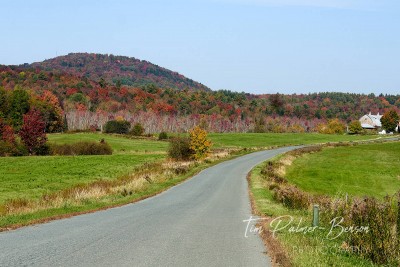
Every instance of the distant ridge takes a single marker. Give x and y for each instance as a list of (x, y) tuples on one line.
[(117, 70)]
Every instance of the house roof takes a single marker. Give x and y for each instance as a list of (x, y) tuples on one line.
[(375, 121), (367, 126)]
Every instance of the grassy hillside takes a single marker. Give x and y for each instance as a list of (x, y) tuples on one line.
[(372, 169)]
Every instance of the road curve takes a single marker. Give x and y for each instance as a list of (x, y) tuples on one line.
[(197, 223)]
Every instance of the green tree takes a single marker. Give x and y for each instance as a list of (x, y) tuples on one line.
[(19, 105), (3, 102), (118, 84), (390, 120), (259, 126), (102, 82), (355, 127), (137, 130)]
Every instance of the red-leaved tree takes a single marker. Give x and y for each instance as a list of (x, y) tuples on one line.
[(32, 132), (8, 134)]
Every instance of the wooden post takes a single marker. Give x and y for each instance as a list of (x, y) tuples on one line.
[(315, 215)]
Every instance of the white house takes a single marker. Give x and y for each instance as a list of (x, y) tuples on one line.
[(370, 121)]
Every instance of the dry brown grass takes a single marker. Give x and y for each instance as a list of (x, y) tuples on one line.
[(278, 254), (275, 250)]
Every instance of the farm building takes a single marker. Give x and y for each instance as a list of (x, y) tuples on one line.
[(370, 121)]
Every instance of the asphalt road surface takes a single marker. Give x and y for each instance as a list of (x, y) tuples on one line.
[(197, 223)]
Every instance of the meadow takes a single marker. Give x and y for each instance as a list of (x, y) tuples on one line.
[(362, 170), (297, 248), (72, 178), (248, 140), (359, 170), (31, 177)]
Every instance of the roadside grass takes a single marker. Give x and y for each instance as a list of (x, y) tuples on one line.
[(145, 181), (361, 170), (301, 249), (247, 140)]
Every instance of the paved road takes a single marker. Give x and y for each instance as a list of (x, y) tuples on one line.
[(197, 223)]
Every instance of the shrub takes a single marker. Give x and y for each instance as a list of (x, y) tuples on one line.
[(32, 132), (292, 197), (334, 126), (162, 136), (6, 149), (199, 143), (137, 130), (82, 148), (12, 149), (42, 150), (355, 127), (380, 243), (179, 148), (117, 126)]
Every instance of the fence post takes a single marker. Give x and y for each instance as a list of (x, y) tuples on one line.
[(315, 215)]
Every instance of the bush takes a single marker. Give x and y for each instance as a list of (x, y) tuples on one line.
[(117, 126), (334, 126), (162, 136), (137, 130), (6, 149), (380, 243), (12, 149), (179, 148), (292, 197), (81, 148), (199, 143), (42, 150), (355, 127)]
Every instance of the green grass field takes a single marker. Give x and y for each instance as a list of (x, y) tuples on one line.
[(371, 169), (278, 139), (119, 144), (311, 249), (30, 177)]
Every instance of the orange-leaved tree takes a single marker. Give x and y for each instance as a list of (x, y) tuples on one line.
[(199, 142)]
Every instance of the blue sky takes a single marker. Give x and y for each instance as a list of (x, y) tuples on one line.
[(258, 46)]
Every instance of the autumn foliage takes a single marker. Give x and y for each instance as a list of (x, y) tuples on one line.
[(32, 132), (199, 143), (390, 120), (93, 89), (334, 126)]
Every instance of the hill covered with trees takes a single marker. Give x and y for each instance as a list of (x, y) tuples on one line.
[(117, 70), (90, 89)]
